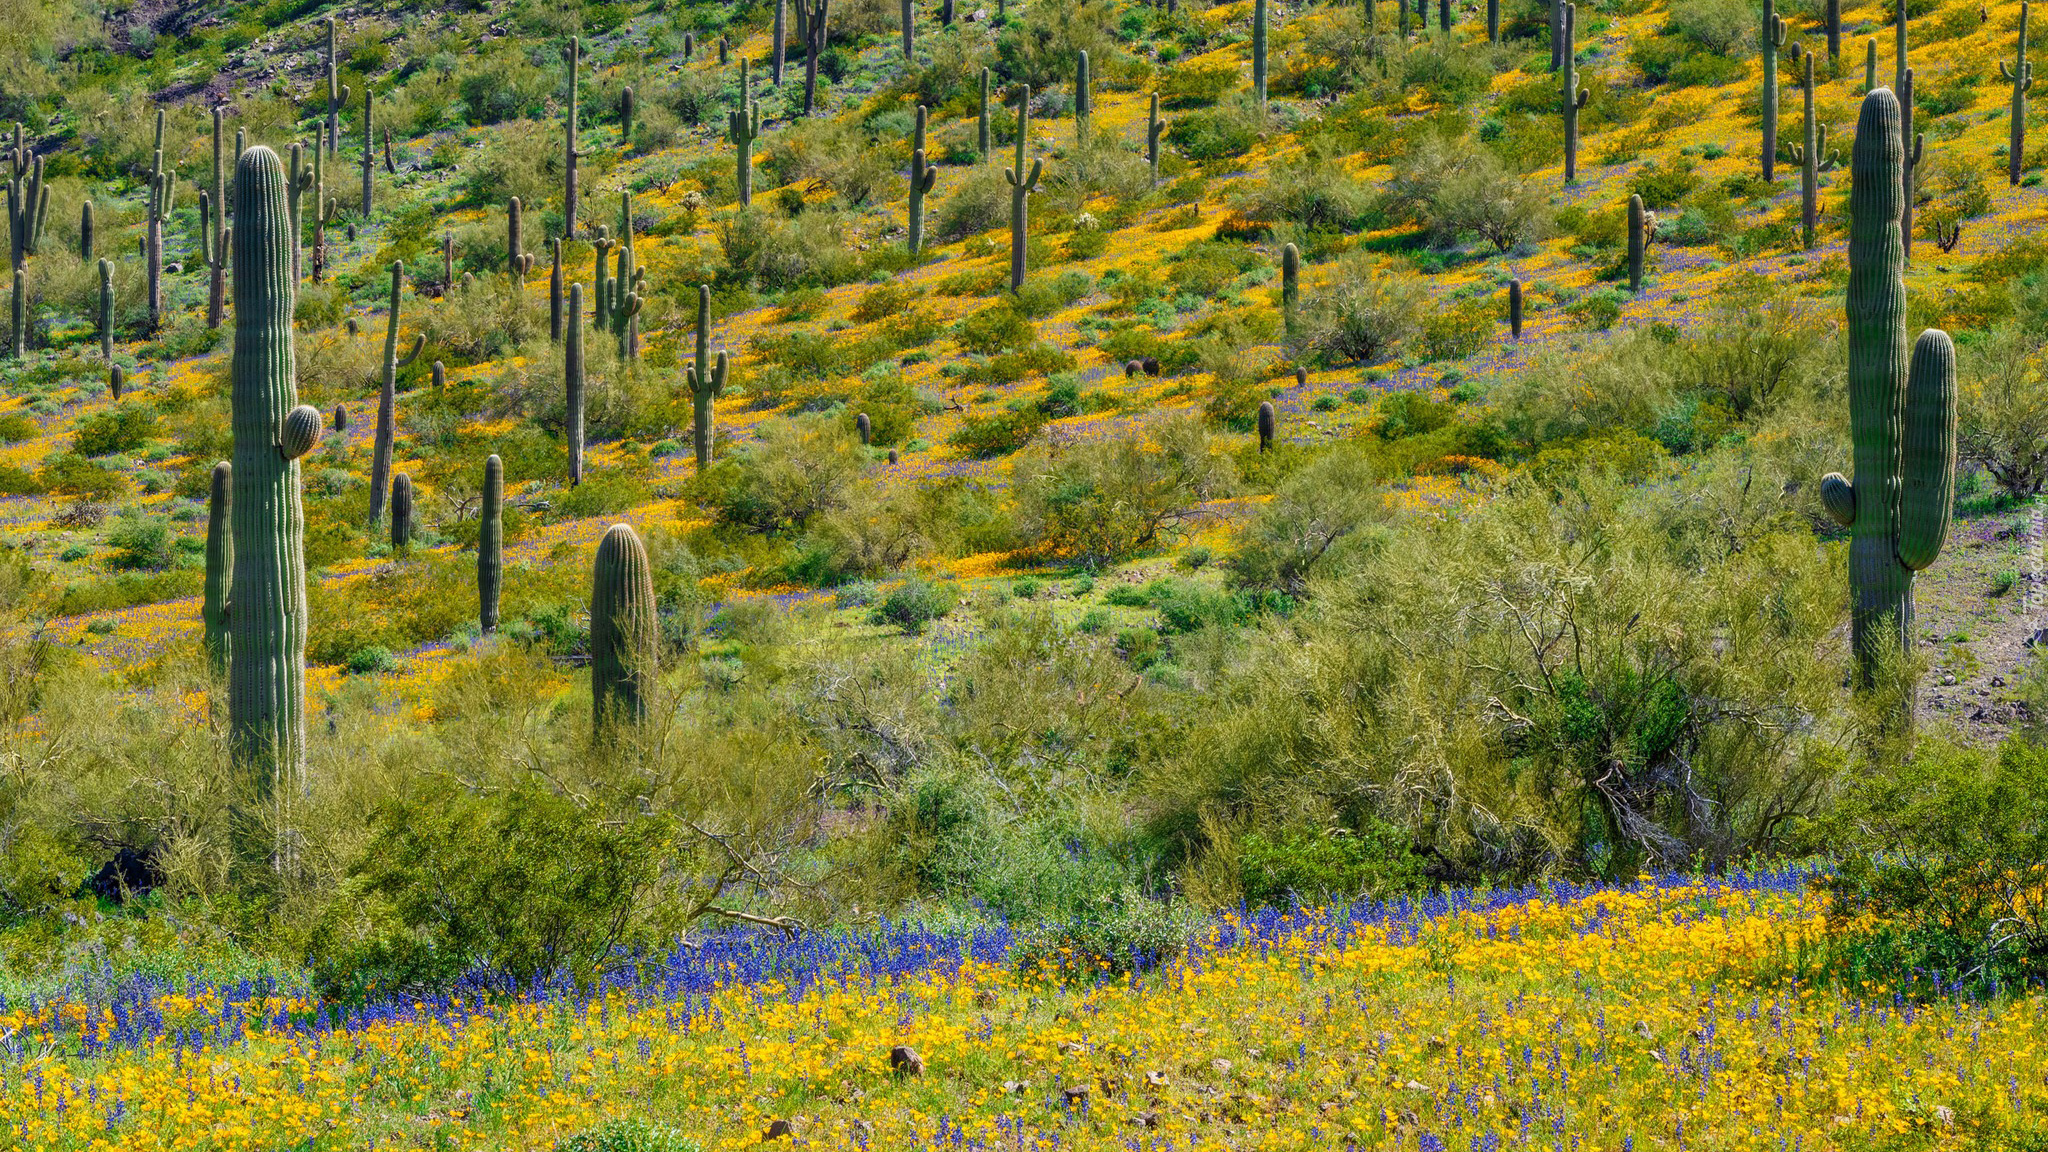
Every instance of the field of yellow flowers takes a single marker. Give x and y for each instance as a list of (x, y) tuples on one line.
[(1643, 1017)]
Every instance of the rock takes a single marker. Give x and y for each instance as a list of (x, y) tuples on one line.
[(2039, 638), (1074, 1096), (1998, 681), (905, 1060), (1157, 1079), (1221, 1066), (777, 1130)]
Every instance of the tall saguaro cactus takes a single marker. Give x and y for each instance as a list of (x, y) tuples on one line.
[(106, 324), (337, 95), (369, 156), (981, 126), (2020, 74), (1290, 285), (572, 382), (215, 237), (85, 231), (1084, 98), (1636, 243), (387, 397), (28, 201), (781, 44), (555, 293), (220, 563), (814, 47), (571, 153), (705, 380), (1902, 419), (1154, 129), (1021, 187), (1259, 54), (922, 177), (623, 631), (17, 340), (623, 303), (517, 262), (1831, 18), (1910, 144), (909, 27), (272, 430), (1515, 308), (490, 546), (1574, 97), (162, 191), (742, 127), (298, 178), (1813, 157), (1773, 39)]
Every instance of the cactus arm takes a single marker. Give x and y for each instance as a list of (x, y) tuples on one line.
[(1927, 459)]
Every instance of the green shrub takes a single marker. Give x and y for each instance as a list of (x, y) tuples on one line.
[(1098, 502), (998, 433), (913, 604), (1293, 865), (1215, 133), (121, 429), (629, 1136), (144, 543)]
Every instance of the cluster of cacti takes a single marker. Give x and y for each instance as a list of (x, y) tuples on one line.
[(572, 382), (1266, 425), (387, 397), (1290, 285), (1515, 309), (162, 191), (1021, 187), (922, 177), (706, 381), (267, 607), (401, 513), (1636, 241), (1773, 39), (337, 95), (325, 209), (623, 631), (28, 202), (570, 152), (1813, 158), (1574, 97), (490, 546), (742, 127), (2020, 74), (1902, 419)]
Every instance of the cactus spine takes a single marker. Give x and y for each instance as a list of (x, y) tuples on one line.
[(267, 617), (490, 546), (1574, 97), (220, 562), (1635, 245), (1259, 54), (1812, 154), (1266, 422), (622, 631), (401, 513), (387, 398), (1153, 131), (922, 177), (981, 127), (1021, 187), (337, 95), (1290, 285), (706, 381), (572, 383), (106, 310), (742, 127), (571, 153), (1515, 308), (1773, 39), (1902, 420), (2020, 74), (1084, 97)]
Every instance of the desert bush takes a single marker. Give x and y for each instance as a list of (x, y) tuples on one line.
[(795, 470), (980, 201), (1359, 317), (1759, 343), (1453, 187), (1101, 501), (2002, 421)]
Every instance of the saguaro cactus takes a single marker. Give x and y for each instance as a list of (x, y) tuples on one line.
[(922, 177), (1636, 241), (490, 546), (387, 397), (1493, 21), (1558, 50), (298, 178), (623, 631), (575, 57), (401, 513), (518, 262), (17, 342), (106, 310), (28, 202), (1900, 62), (337, 95), (1574, 97), (742, 126), (814, 46), (1910, 143), (572, 381), (212, 242), (1515, 308), (1902, 420), (1084, 97), (162, 191), (706, 380), (220, 563), (272, 430), (1831, 18), (324, 209), (1812, 154), (2020, 74), (982, 118), (1290, 285), (555, 293), (1259, 54), (1870, 64), (1266, 423), (85, 230), (1773, 39), (866, 427), (1154, 129), (1021, 187), (622, 308), (781, 44), (626, 116), (909, 28)]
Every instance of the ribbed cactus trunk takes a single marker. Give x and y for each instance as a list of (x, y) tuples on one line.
[(1831, 18), (1870, 64), (1021, 187), (569, 205), (1154, 129), (1267, 421), (981, 127), (1515, 309), (922, 177), (387, 397), (1773, 39), (1902, 420), (162, 190), (337, 95), (742, 127), (401, 513), (1811, 154), (267, 614), (909, 28), (814, 46), (866, 427), (1574, 97), (220, 564), (17, 341), (781, 44), (215, 239), (1493, 21), (106, 310), (1084, 98), (1259, 54), (2020, 74), (555, 293), (705, 380), (515, 246), (572, 382), (321, 214), (1557, 45), (298, 179), (623, 632), (1636, 241), (85, 232), (1910, 144), (490, 546), (1290, 286), (626, 116)]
